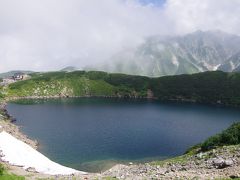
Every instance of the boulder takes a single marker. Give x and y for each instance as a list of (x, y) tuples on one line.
[(220, 163), (31, 169), (229, 162)]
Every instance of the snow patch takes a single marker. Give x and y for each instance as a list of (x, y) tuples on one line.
[(18, 153), (175, 61), (215, 68), (232, 65)]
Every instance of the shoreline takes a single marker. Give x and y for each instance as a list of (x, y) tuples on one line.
[(175, 100), (17, 153), (12, 138), (15, 131)]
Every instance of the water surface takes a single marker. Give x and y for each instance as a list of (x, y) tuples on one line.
[(92, 134)]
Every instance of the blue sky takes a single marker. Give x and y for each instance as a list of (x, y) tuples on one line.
[(155, 2)]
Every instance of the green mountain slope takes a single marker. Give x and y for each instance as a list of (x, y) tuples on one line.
[(78, 83), (208, 87)]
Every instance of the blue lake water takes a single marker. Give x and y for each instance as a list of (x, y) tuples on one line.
[(92, 134)]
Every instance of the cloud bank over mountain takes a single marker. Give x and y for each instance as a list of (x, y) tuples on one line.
[(51, 34)]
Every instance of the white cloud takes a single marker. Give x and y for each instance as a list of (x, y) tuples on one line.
[(192, 15), (51, 34)]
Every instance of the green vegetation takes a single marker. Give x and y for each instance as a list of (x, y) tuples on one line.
[(1, 94), (79, 83), (208, 87), (4, 175), (230, 136), (1, 169), (176, 160), (229, 139)]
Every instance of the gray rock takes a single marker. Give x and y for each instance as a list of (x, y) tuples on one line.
[(218, 162), (229, 162), (221, 163), (31, 169)]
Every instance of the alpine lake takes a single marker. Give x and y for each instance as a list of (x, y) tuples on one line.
[(93, 134)]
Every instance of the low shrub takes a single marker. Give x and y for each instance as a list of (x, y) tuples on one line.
[(230, 136)]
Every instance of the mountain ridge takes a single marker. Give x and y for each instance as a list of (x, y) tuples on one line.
[(172, 55)]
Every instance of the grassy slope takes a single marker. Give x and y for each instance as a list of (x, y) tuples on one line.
[(77, 83), (7, 176), (207, 87), (230, 136)]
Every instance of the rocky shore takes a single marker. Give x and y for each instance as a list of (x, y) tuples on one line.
[(221, 163), (5, 123)]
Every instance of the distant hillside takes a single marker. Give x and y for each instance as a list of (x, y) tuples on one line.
[(69, 69), (188, 54), (11, 73), (209, 87)]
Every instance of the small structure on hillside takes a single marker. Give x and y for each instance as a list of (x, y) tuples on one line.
[(16, 77), (20, 76)]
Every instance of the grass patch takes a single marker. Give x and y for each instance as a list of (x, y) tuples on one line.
[(4, 175), (176, 160)]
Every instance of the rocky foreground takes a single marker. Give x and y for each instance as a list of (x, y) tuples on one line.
[(221, 163), (215, 164)]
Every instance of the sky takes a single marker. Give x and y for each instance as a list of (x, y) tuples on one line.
[(44, 35)]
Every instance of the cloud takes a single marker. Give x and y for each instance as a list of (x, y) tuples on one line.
[(192, 15), (51, 34)]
